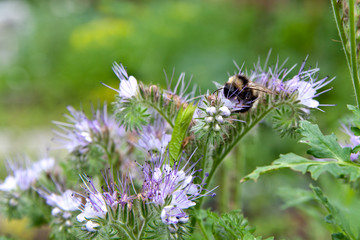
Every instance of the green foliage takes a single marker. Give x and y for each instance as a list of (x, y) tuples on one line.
[(322, 146), (180, 130), (232, 225), (130, 114), (335, 217), (336, 160)]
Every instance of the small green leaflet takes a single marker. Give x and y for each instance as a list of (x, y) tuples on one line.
[(335, 159), (181, 127), (322, 146)]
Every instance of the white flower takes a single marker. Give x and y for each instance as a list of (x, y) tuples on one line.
[(128, 88), (65, 202), (172, 215), (90, 226), (9, 184), (306, 91)]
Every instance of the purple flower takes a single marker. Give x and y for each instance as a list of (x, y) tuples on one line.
[(80, 131), (98, 203), (153, 137), (172, 188), (26, 174)]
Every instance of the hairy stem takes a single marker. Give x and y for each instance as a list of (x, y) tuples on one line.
[(353, 47), (122, 227), (234, 143), (351, 57), (153, 106), (203, 230)]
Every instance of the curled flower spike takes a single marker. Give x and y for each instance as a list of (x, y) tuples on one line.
[(172, 188), (80, 131)]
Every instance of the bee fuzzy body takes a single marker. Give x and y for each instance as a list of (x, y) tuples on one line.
[(244, 90)]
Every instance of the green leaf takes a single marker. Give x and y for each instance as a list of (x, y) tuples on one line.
[(232, 225), (335, 217), (303, 165), (131, 114), (181, 127), (322, 146)]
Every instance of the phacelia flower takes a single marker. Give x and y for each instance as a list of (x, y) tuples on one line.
[(80, 131), (24, 175), (128, 86), (172, 188), (154, 138), (62, 204), (98, 203)]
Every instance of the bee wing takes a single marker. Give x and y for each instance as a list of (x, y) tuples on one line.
[(260, 88)]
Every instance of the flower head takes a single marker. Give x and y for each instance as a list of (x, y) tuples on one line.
[(99, 202), (154, 138), (128, 86), (80, 131), (24, 175), (62, 204), (172, 188)]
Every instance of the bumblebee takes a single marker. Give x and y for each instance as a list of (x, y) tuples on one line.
[(244, 90)]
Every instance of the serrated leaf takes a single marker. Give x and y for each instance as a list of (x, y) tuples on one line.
[(335, 217), (181, 127), (322, 146), (303, 165)]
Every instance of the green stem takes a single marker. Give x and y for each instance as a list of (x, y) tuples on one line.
[(353, 47), (351, 57), (340, 28), (203, 230), (233, 144), (122, 227), (204, 160), (159, 111), (142, 229)]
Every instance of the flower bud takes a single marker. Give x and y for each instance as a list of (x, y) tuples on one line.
[(224, 111), (211, 110), (209, 119), (219, 119), (217, 127)]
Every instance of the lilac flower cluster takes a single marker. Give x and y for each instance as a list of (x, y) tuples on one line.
[(80, 131), (305, 84), (154, 138), (62, 204), (24, 176), (172, 188)]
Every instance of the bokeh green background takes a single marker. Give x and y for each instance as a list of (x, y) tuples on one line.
[(55, 53)]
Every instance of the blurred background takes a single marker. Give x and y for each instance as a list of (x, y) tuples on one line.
[(55, 53)]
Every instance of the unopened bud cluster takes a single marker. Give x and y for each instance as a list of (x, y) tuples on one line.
[(215, 117)]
